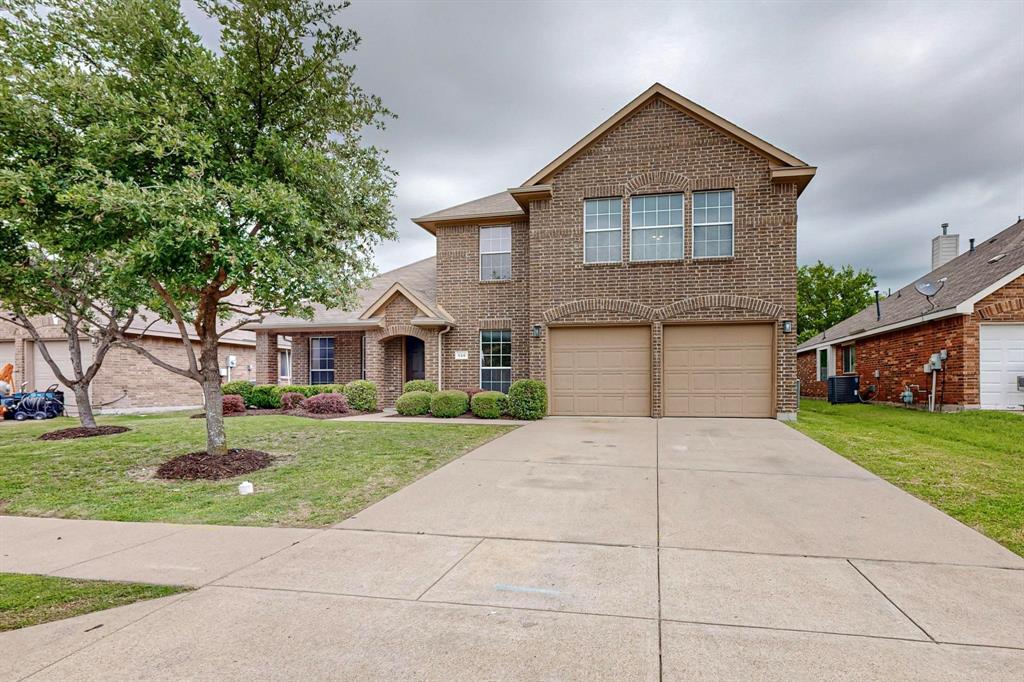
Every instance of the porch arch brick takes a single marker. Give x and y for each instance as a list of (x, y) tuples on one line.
[(385, 359)]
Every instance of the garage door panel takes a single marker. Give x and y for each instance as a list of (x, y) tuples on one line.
[(728, 371), (600, 371), (1001, 362)]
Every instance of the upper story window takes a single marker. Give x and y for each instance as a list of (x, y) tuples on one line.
[(656, 227), (321, 360), (602, 230), (822, 364), (849, 359), (495, 253), (712, 224)]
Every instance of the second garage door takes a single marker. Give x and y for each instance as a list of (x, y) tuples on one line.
[(719, 370), (44, 375), (601, 371)]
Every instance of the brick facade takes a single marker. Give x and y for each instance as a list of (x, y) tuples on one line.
[(661, 149), (657, 149), (899, 356)]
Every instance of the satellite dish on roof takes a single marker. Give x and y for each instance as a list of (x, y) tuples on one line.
[(928, 288)]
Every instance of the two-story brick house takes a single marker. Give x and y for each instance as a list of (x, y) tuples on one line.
[(649, 270)]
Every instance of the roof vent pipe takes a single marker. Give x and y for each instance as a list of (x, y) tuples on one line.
[(972, 244), (878, 307), (945, 228)]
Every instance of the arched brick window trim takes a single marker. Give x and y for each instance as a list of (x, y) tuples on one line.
[(403, 330), (1001, 308), (719, 301), (590, 305), (659, 179)]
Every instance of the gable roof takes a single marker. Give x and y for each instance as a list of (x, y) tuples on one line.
[(417, 281), (690, 107), (504, 205), (969, 277), (500, 205)]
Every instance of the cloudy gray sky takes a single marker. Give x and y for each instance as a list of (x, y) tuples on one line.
[(913, 112)]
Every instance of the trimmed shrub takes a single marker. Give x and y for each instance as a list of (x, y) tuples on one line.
[(528, 399), (413, 403), (233, 404), (242, 388), (449, 403), (326, 403), (291, 399), (424, 385), (265, 396), (362, 395), (489, 404)]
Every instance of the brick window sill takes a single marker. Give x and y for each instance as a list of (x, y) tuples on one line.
[(496, 281)]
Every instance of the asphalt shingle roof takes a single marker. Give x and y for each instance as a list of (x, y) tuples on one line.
[(965, 276), (501, 203), (420, 278)]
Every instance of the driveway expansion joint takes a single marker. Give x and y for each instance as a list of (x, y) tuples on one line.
[(889, 599)]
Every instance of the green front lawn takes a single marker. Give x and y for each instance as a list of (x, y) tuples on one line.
[(968, 464), (325, 470), (33, 599)]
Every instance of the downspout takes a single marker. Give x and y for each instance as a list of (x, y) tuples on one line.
[(440, 355)]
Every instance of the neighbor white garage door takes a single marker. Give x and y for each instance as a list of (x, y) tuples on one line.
[(1002, 361)]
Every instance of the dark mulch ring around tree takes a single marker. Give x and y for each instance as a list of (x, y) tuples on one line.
[(200, 465), (83, 432)]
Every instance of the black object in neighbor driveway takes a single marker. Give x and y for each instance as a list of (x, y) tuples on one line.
[(34, 405), (843, 389)]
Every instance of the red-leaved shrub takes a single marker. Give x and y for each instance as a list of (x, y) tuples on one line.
[(233, 404), (326, 403), (472, 391), (291, 400)]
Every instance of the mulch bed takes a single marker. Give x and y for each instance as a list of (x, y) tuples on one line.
[(83, 432), (253, 412), (199, 465), (468, 415)]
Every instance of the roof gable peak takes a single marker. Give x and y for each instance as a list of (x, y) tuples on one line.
[(778, 156)]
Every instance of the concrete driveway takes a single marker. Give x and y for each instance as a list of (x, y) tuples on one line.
[(619, 549)]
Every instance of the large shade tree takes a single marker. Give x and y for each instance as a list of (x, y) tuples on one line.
[(251, 188), (825, 296), (50, 274)]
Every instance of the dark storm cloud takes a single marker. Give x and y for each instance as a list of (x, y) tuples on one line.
[(914, 113)]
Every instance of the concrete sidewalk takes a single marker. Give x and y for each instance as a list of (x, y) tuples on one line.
[(619, 549)]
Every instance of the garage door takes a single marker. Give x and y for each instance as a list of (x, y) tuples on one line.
[(44, 376), (6, 352), (722, 370), (1002, 361), (601, 371)]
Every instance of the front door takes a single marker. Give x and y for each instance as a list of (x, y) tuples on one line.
[(414, 359)]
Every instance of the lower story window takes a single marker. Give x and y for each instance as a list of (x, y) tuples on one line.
[(495, 360), (849, 359), (321, 360), (822, 364), (284, 364)]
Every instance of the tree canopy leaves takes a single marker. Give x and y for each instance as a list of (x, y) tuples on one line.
[(827, 295)]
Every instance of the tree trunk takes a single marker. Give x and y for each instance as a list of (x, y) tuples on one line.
[(216, 438), (84, 406)]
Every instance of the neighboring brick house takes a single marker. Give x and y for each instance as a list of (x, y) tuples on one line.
[(127, 381), (977, 318), (648, 270)]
